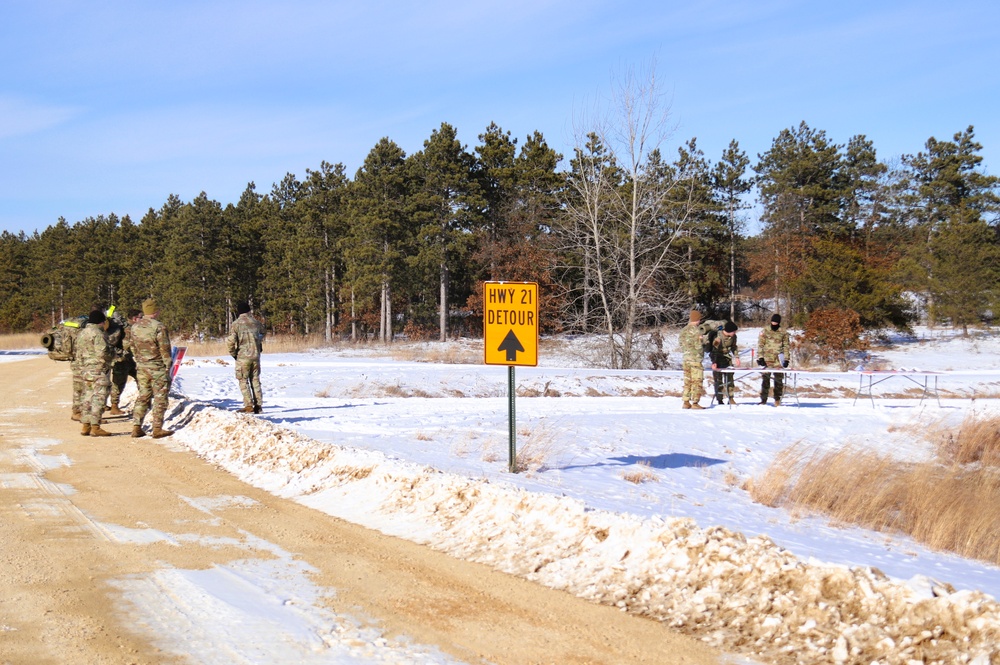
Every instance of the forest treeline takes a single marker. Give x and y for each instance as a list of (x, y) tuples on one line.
[(621, 237)]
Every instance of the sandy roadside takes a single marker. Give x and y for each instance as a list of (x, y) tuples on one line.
[(61, 494)]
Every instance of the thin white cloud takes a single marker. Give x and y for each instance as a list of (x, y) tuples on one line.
[(19, 117)]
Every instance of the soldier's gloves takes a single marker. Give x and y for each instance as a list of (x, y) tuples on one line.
[(785, 364), (760, 361)]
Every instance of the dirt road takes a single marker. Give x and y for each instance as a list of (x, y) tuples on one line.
[(65, 499)]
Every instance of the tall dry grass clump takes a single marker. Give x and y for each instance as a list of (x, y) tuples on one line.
[(977, 440), (536, 447), (948, 504)]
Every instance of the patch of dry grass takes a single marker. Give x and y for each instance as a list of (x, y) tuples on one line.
[(353, 472), (536, 446), (643, 474), (19, 341), (431, 352), (952, 504), (272, 344)]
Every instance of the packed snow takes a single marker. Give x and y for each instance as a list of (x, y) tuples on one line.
[(626, 499)]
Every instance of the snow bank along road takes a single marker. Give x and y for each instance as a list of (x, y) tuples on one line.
[(118, 550), (401, 465)]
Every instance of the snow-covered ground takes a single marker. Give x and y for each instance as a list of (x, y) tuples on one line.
[(420, 450)]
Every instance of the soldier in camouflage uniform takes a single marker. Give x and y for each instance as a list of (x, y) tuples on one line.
[(244, 342), (692, 342), (93, 355), (149, 342), (773, 350), (723, 355), (124, 364), (74, 368)]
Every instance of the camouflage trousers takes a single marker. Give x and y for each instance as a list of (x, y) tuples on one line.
[(95, 394), (694, 381), (765, 385), (120, 372), (77, 389), (248, 376), (154, 384)]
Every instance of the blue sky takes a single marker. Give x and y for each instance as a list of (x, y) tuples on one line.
[(110, 107)]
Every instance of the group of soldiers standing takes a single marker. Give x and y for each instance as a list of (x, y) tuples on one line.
[(108, 350), (773, 351)]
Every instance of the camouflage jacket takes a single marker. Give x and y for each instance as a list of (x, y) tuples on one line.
[(693, 338), (723, 350), (245, 338), (149, 342), (92, 350), (117, 326), (770, 344)]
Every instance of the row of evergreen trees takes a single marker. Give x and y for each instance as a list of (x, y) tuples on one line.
[(621, 239)]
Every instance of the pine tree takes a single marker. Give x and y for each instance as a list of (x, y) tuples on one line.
[(380, 235), (706, 240), (801, 194), (323, 220), (729, 187), (16, 312), (954, 208), (443, 207)]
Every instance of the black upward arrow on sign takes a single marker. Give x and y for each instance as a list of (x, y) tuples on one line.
[(511, 344)]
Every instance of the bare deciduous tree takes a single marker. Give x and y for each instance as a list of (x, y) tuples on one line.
[(624, 214)]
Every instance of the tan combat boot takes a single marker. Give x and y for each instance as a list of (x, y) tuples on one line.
[(777, 402), (96, 430), (115, 411), (695, 405), (137, 432), (86, 430), (686, 405), (246, 409), (159, 432), (75, 416)]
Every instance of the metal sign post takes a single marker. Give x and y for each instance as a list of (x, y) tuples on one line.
[(511, 422), (510, 337)]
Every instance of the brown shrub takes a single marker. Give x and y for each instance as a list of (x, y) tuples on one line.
[(834, 332)]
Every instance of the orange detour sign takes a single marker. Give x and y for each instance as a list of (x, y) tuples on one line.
[(510, 323)]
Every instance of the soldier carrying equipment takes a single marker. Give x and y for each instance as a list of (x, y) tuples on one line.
[(60, 339)]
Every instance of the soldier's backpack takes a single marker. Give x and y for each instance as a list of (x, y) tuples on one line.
[(706, 346), (60, 340)]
